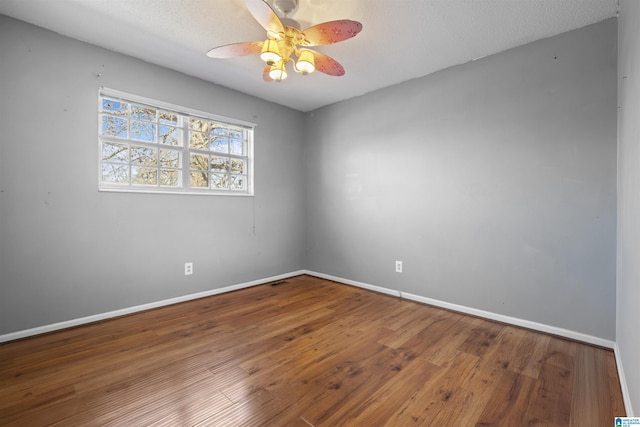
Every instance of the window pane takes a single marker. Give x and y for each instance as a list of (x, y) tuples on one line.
[(115, 173), (144, 176), (199, 179), (115, 107), (220, 140), (199, 162), (168, 135), (167, 118), (236, 142), (115, 152), (198, 141), (219, 145), (143, 113), (199, 125), (220, 131), (170, 178), (144, 156), (238, 182), (219, 164), (115, 126), (220, 181), (237, 166), (169, 159), (143, 131)]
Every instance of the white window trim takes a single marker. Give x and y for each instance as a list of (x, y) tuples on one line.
[(109, 187)]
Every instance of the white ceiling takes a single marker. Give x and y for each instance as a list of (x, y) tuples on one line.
[(401, 39)]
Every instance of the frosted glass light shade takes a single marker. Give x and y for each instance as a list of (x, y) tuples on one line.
[(278, 72), (270, 52), (305, 63)]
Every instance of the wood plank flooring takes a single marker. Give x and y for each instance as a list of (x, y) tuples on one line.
[(308, 352)]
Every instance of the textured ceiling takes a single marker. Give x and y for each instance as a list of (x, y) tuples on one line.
[(401, 39)]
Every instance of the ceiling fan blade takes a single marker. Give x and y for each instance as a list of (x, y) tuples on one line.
[(235, 49), (265, 74), (265, 15), (326, 64), (332, 32)]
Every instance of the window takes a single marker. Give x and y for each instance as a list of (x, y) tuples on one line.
[(150, 146)]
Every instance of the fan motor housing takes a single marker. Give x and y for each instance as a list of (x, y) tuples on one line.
[(285, 7)]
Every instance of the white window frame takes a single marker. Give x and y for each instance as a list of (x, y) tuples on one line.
[(183, 147)]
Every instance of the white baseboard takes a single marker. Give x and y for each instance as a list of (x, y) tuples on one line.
[(354, 283), (129, 310), (553, 330), (455, 307), (577, 336), (623, 383)]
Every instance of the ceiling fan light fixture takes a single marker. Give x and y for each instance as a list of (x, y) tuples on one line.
[(270, 52), (286, 41), (278, 72), (305, 63)]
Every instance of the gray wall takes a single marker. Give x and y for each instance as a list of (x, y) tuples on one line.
[(628, 309), (493, 181), (68, 251)]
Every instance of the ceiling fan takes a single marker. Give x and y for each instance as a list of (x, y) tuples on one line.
[(287, 42)]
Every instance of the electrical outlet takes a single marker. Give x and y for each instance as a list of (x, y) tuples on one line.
[(188, 268), (398, 266)]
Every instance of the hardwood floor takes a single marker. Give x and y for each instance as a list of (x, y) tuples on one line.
[(307, 352)]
